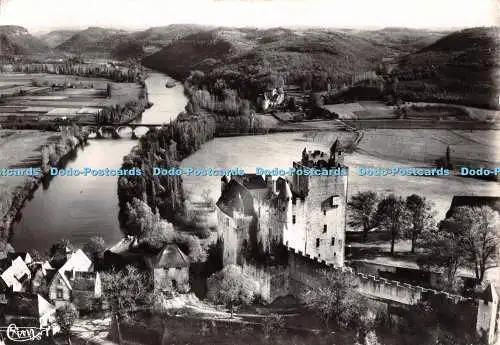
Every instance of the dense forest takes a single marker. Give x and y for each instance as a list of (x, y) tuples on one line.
[(163, 148), (460, 68)]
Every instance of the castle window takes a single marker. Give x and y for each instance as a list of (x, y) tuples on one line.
[(333, 241), (294, 201), (317, 242), (59, 293), (340, 243), (335, 206), (293, 219), (324, 212), (324, 228)]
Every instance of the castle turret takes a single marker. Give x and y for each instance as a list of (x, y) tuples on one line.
[(336, 158), (223, 183), (305, 157)]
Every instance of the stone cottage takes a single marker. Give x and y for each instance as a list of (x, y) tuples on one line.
[(170, 269)]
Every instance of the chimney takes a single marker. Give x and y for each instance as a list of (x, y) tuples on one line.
[(69, 253)]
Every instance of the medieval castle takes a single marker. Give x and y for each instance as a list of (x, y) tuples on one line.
[(259, 215), (305, 217)]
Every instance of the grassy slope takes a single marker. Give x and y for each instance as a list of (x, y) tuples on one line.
[(93, 39), (278, 49), (57, 37), (163, 35), (461, 67), (119, 43), (402, 40), (17, 40)]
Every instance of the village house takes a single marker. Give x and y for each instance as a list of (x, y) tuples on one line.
[(83, 289), (17, 276), (170, 268), (29, 310), (272, 98), (71, 275)]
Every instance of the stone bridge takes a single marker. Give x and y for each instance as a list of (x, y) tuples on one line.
[(118, 131)]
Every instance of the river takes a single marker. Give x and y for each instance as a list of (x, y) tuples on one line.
[(77, 208)]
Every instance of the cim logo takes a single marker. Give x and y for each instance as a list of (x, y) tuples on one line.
[(21, 334)]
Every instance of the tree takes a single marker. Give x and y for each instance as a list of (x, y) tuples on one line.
[(363, 207), (124, 291), (336, 299), (421, 217), (443, 251), (477, 235), (392, 216), (94, 247), (316, 100), (231, 287), (108, 90), (205, 195), (438, 320), (66, 316), (140, 217), (469, 236), (5, 248), (60, 249), (448, 158), (292, 104)]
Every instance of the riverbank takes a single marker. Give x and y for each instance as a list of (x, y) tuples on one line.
[(20, 188)]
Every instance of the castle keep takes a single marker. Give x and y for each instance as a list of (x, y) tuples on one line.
[(258, 215)]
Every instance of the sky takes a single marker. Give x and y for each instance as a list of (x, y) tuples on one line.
[(39, 15)]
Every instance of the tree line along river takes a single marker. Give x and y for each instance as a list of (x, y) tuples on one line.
[(79, 207)]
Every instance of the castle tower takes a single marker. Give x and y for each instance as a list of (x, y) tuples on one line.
[(319, 207), (487, 313)]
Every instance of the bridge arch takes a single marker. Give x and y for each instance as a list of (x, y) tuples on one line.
[(140, 130), (109, 130)]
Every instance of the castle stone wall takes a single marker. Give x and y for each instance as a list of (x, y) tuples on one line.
[(273, 280), (304, 273)]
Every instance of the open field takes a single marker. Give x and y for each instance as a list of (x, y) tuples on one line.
[(82, 96), (478, 114), (424, 146), (20, 149), (372, 110)]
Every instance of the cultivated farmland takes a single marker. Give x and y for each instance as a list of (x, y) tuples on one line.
[(59, 96), (20, 149), (421, 147)]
